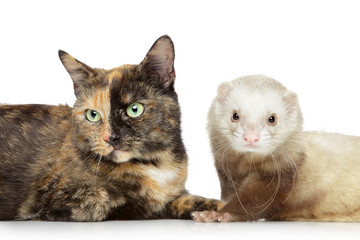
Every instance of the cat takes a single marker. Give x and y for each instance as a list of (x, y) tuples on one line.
[(117, 154), (269, 168)]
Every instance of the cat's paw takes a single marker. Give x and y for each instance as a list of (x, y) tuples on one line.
[(94, 205), (54, 214)]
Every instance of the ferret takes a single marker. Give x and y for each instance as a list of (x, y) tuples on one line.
[(269, 168)]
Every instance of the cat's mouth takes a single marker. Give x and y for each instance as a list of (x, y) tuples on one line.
[(120, 156)]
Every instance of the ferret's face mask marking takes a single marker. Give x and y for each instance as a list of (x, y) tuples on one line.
[(253, 120)]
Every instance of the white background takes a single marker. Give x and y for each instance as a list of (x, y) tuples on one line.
[(312, 47)]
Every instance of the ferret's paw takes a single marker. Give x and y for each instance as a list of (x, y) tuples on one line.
[(209, 216), (227, 217)]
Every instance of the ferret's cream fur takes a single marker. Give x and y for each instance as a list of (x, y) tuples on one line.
[(315, 175), (331, 174)]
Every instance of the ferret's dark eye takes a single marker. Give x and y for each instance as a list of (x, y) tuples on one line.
[(272, 120), (235, 117)]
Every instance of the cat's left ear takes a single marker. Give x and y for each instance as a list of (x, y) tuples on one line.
[(159, 62), (80, 73)]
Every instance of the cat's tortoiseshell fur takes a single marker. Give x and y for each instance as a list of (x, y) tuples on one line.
[(57, 165)]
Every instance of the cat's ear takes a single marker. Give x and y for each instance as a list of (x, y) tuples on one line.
[(159, 61), (80, 73)]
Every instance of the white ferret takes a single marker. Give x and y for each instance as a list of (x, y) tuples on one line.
[(269, 168)]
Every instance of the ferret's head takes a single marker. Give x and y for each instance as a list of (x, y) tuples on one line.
[(256, 114)]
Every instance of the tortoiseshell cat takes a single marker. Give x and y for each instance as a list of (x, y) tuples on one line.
[(118, 154)]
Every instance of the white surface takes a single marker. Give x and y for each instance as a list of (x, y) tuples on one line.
[(178, 229), (312, 47)]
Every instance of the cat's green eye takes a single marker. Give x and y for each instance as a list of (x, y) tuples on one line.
[(93, 116), (135, 110)]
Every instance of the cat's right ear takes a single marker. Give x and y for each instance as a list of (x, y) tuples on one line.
[(79, 72)]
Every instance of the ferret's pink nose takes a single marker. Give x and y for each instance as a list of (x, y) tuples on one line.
[(251, 137)]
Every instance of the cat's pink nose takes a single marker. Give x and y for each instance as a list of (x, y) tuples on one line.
[(251, 137), (106, 138)]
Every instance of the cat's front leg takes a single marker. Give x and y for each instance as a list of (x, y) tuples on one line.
[(94, 206), (81, 204), (183, 206)]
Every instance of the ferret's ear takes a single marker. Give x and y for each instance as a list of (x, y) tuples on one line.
[(291, 100), (80, 73), (158, 63), (223, 91)]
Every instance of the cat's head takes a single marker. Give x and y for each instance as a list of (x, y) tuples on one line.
[(129, 112), (256, 114)]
